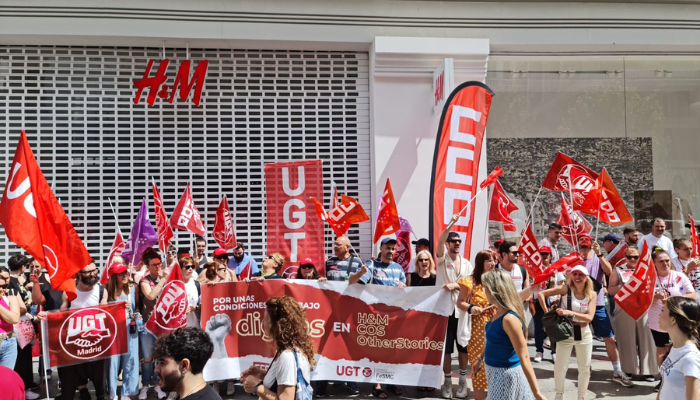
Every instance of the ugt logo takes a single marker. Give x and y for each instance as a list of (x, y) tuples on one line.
[(157, 85)]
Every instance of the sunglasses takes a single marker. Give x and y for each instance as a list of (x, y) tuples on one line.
[(92, 272), (5, 286), (172, 253), (188, 267), (221, 269), (515, 253), (632, 257), (221, 258), (306, 266), (155, 265), (424, 260), (455, 241)]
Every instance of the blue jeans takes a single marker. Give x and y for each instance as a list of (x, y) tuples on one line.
[(130, 368), (148, 342), (8, 353), (540, 333)]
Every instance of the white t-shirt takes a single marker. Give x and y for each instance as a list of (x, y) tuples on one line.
[(516, 274), (679, 264), (284, 370), (192, 300), (675, 284), (663, 242), (674, 370), (577, 306)]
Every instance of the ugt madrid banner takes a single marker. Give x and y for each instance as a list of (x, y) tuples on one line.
[(456, 160), (362, 333), (85, 334), (293, 229)]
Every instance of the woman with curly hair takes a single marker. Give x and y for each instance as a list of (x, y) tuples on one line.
[(285, 324)]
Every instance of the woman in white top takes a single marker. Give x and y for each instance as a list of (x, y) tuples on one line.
[(193, 289), (583, 299), (680, 372), (285, 324)]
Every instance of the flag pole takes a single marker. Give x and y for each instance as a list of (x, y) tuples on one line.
[(532, 207), (488, 214), (573, 210), (115, 216), (470, 201), (600, 198), (45, 353)]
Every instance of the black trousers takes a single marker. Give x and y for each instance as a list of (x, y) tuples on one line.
[(23, 365), (73, 376)]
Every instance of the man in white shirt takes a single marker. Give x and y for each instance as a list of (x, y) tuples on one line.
[(451, 267), (552, 239), (657, 239)]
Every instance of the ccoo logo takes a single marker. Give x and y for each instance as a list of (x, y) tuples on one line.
[(88, 333)]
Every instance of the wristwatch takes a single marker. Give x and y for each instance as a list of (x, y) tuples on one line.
[(255, 389), (469, 310)]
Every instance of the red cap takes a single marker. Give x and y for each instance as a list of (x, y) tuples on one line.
[(116, 268), (584, 235), (545, 249), (220, 252), (498, 243), (307, 260)]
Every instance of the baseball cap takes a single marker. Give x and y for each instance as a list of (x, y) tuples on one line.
[(183, 252), (386, 240), (220, 252), (421, 242), (307, 261), (579, 268), (546, 249), (584, 235), (611, 237), (116, 268), (498, 243)]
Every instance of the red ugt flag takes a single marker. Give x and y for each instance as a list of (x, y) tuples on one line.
[(35, 221), (567, 174), (402, 256), (572, 223), (605, 202), (170, 311), (501, 207), (165, 232), (636, 296), (388, 216), (223, 227), (186, 216), (117, 248), (341, 217), (530, 251), (86, 334), (694, 239)]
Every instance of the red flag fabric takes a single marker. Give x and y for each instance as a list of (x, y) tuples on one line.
[(605, 202), (35, 221), (246, 272), (387, 214), (563, 263), (572, 223), (86, 334), (458, 149), (116, 250), (565, 172), (530, 253), (637, 294), (223, 227), (493, 176), (165, 231), (342, 217), (501, 207), (170, 311), (617, 255), (186, 216), (694, 239), (402, 256)]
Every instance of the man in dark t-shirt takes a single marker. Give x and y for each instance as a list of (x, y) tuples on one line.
[(340, 266)]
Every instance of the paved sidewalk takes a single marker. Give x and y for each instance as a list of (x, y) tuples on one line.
[(600, 386)]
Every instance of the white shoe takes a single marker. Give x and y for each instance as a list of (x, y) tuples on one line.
[(554, 358), (143, 395), (538, 357), (447, 388), (547, 344), (559, 396), (463, 389), (115, 397), (161, 394), (29, 395), (230, 388)]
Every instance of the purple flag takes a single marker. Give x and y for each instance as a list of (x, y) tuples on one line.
[(142, 236), (405, 226)]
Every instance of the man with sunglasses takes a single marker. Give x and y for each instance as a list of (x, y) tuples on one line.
[(509, 263), (88, 293), (451, 266)]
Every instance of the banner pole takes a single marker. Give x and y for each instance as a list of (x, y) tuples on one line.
[(532, 207), (470, 201), (45, 354)]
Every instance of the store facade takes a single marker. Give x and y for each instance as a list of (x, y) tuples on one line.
[(349, 82)]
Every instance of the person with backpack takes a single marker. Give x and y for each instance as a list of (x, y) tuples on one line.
[(578, 303), (289, 373), (509, 263)]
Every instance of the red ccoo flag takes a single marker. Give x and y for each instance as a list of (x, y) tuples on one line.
[(388, 216), (530, 251), (605, 202), (501, 207), (186, 216), (223, 227), (567, 174), (493, 176), (636, 296), (165, 231), (572, 223), (567, 262), (35, 221), (340, 218), (694, 239), (117, 248), (170, 311)]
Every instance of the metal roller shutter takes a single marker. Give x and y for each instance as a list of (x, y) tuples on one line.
[(94, 144)]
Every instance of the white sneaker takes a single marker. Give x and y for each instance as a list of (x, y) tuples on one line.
[(161, 394), (463, 389), (447, 388), (547, 344), (538, 357), (143, 395), (559, 396), (29, 395), (230, 388)]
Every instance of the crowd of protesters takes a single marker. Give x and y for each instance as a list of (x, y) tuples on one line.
[(487, 325)]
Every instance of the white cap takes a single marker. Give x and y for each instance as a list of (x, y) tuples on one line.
[(579, 268)]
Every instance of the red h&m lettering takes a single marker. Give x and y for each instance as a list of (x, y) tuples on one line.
[(156, 85)]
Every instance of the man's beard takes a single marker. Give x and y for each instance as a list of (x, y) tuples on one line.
[(90, 280), (237, 258), (170, 382)]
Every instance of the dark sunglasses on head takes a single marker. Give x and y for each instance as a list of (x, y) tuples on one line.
[(632, 257)]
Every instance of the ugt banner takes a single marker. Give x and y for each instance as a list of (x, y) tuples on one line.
[(293, 229), (456, 161), (85, 334), (362, 333)]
